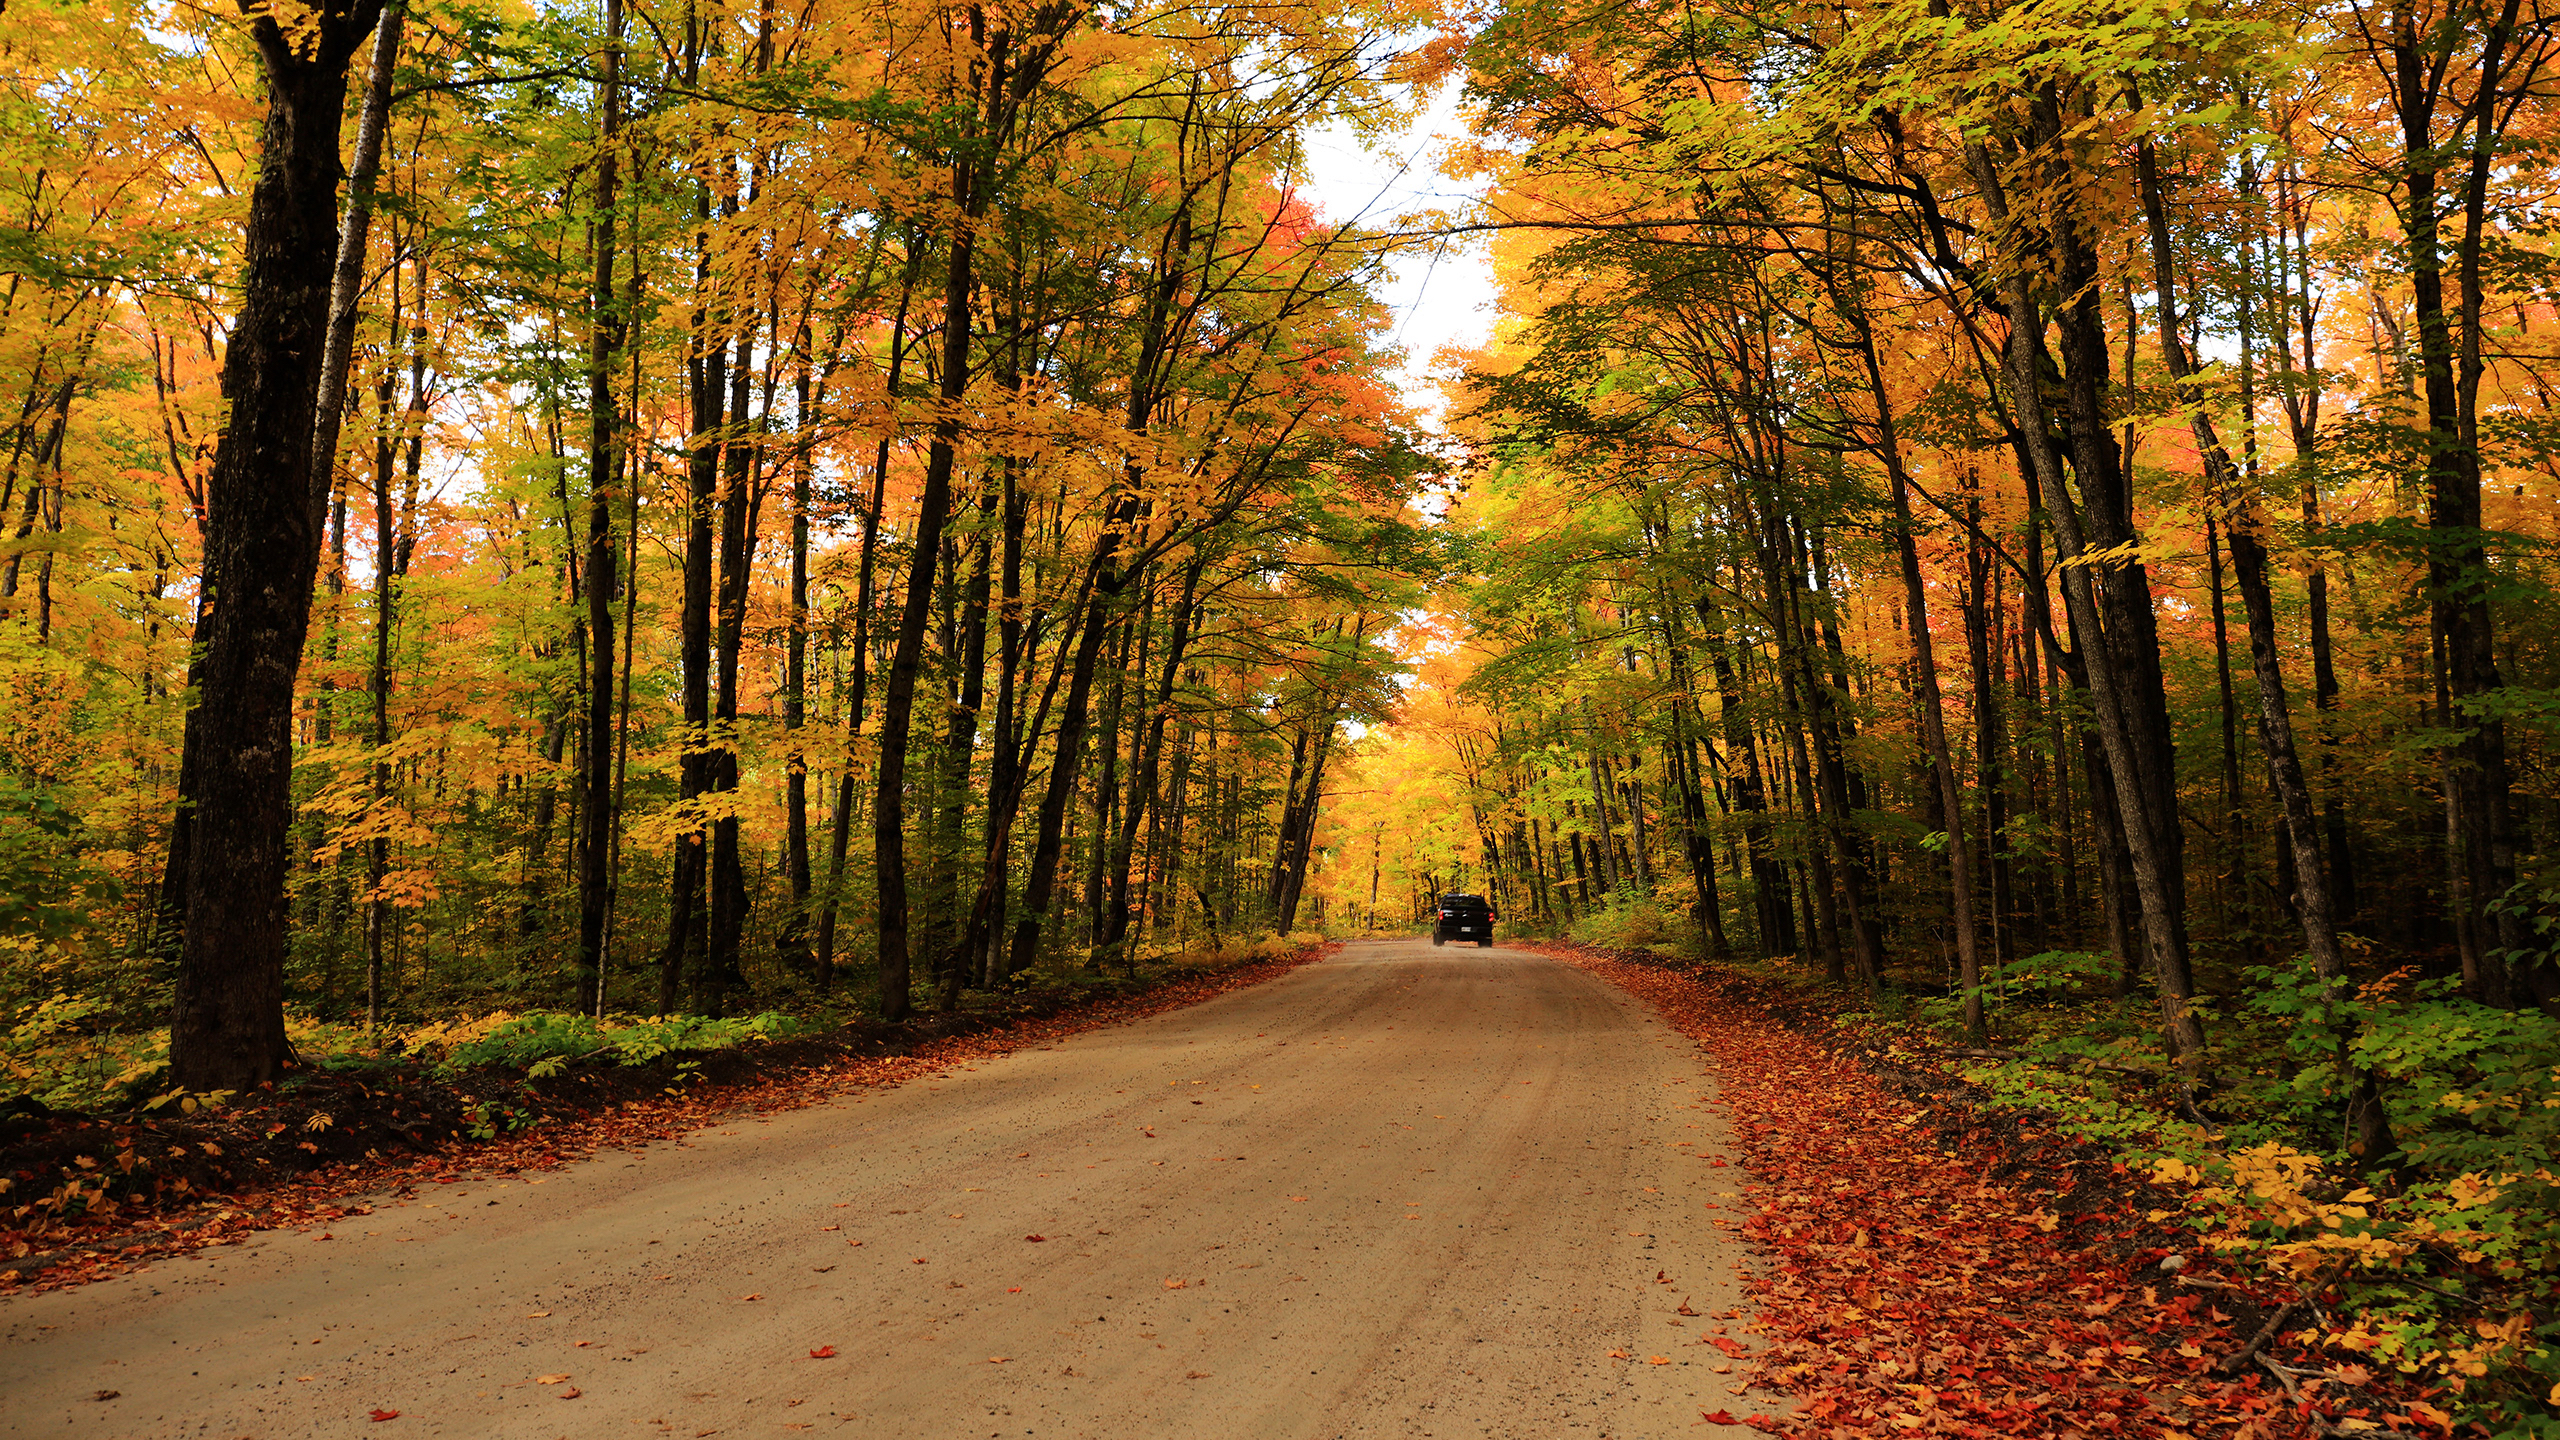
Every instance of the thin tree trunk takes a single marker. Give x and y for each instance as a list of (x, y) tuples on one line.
[(2369, 1125), (597, 800), (840, 826), (2114, 667)]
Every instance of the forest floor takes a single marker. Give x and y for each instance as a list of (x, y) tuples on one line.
[(1404, 1191), (1933, 1264)]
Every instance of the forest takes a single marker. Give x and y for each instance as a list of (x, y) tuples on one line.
[(2034, 522)]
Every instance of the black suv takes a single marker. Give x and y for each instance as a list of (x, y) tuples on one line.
[(1463, 917)]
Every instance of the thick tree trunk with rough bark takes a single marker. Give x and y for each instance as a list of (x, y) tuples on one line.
[(262, 552)]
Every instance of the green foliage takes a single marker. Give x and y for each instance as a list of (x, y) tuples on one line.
[(2434, 1253), (57, 1056), (541, 1043), (1627, 923), (54, 890)]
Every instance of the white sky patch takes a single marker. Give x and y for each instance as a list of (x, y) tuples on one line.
[(1442, 294)]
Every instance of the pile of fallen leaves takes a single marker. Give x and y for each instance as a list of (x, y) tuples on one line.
[(89, 1195), (1931, 1268)]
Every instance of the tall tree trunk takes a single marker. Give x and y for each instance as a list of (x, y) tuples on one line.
[(597, 802), (840, 826), (262, 552), (959, 757), (2116, 668), (741, 500), (1932, 706), (1774, 916), (2370, 1130), (708, 383), (889, 807), (1149, 755)]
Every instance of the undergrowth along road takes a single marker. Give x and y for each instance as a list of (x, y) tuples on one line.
[(87, 1196), (1931, 1266)]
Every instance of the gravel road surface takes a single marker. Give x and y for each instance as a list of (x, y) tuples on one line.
[(1405, 1191)]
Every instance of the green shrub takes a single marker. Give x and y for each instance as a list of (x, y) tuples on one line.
[(542, 1042)]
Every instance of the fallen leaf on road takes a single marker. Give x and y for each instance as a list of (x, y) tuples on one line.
[(823, 1352), (1301, 1199), (1734, 1348), (1659, 1360), (549, 1379), (386, 1415), (1719, 1417), (572, 1393), (919, 1260), (823, 1229), (1177, 1284), (998, 1359), (1684, 1307), (1197, 1375), (757, 1296), (324, 1237), (539, 1315), (1036, 1239), (112, 1394), (1620, 1355)]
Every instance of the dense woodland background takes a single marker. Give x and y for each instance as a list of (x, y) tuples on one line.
[(2041, 516)]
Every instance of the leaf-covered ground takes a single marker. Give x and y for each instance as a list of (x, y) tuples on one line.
[(83, 1197), (1932, 1268)]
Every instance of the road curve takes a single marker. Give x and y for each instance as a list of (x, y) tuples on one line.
[(1404, 1191)]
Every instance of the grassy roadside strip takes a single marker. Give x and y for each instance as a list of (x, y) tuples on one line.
[(1936, 1265), (121, 1190)]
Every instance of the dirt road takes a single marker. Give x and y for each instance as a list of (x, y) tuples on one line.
[(1405, 1191)]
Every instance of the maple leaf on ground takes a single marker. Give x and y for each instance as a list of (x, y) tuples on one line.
[(1718, 1417), (823, 1352), (572, 1393), (2027, 1324), (549, 1379), (380, 1415)]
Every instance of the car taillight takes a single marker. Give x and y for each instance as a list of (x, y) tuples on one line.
[(1444, 914)]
